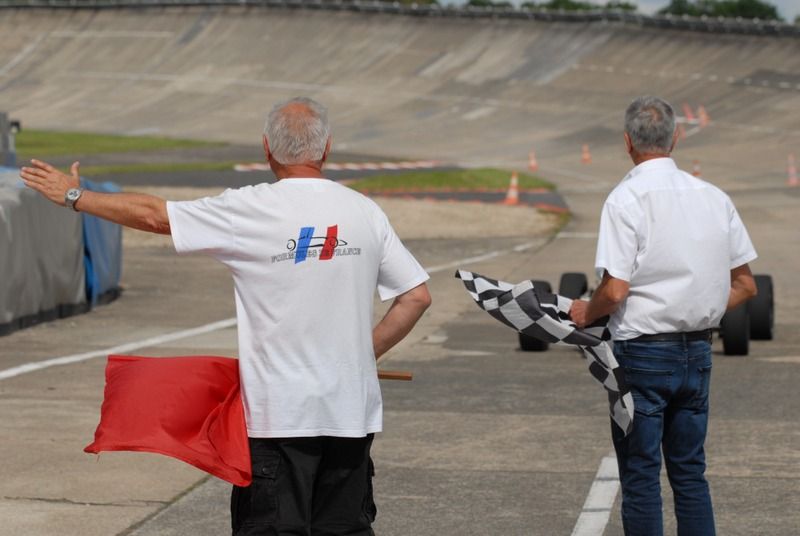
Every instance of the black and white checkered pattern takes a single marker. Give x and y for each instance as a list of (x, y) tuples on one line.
[(544, 316)]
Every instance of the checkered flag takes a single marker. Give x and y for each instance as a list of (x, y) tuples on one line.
[(545, 316)]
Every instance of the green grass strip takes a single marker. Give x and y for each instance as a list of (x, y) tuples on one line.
[(44, 144), (456, 179)]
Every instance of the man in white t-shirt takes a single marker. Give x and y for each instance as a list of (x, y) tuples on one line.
[(673, 255), (306, 255)]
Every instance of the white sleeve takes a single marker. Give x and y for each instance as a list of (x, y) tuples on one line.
[(741, 248), (202, 226), (399, 271), (617, 243)]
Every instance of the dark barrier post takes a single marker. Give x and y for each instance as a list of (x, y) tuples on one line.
[(8, 150)]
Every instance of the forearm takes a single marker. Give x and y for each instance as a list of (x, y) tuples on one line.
[(606, 299), (138, 211), (599, 306), (743, 286), (399, 319)]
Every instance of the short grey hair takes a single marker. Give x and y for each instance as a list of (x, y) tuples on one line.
[(297, 131), (650, 123)]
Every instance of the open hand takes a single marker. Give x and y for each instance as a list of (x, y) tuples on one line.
[(49, 181)]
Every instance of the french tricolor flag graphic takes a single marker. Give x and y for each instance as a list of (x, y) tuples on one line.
[(328, 246)]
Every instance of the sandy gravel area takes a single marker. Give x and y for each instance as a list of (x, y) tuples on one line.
[(412, 219)]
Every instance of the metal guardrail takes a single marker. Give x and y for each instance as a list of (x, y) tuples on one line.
[(8, 150), (698, 24)]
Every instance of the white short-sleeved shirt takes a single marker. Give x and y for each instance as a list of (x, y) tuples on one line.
[(675, 239), (306, 256)]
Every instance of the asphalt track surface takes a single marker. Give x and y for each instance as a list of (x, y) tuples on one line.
[(486, 440)]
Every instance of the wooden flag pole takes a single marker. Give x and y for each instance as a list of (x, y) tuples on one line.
[(401, 375)]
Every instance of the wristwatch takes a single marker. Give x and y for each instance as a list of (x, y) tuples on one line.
[(71, 197)]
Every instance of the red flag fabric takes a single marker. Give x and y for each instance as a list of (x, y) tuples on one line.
[(189, 408)]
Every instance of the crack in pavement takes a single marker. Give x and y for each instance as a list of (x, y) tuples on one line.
[(124, 504)]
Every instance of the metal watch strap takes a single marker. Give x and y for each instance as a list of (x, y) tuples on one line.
[(71, 197)]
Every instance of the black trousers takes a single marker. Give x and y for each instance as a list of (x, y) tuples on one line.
[(307, 486)]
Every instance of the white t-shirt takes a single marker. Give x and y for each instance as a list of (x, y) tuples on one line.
[(306, 256), (675, 239)]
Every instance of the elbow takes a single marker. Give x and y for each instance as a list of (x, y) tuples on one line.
[(616, 295), (424, 300), (616, 298), (426, 303), (157, 225), (157, 219), (420, 298)]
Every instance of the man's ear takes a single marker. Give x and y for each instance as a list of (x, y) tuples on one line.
[(628, 143), (675, 137), (327, 149), (266, 147)]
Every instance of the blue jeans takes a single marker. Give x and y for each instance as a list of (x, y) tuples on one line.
[(669, 382)]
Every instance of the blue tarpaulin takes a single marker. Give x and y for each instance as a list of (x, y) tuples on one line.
[(102, 243)]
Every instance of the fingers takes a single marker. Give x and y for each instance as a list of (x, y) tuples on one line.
[(30, 174), (43, 165), (33, 185), (75, 170)]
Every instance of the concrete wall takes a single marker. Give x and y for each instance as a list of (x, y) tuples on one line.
[(470, 91)]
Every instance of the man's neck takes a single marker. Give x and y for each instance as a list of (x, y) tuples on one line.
[(639, 158), (304, 171)]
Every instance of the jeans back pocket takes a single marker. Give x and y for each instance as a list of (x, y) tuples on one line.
[(650, 388)]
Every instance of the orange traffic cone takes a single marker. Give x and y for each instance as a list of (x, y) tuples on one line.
[(792, 172), (687, 111), (586, 156), (512, 197), (696, 169), (703, 116), (533, 164)]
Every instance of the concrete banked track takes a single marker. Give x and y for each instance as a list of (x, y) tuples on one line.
[(487, 440), (459, 90)]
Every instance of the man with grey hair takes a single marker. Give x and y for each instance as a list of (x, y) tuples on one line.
[(306, 255), (673, 256)]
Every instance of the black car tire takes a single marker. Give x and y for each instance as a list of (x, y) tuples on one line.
[(762, 310), (735, 331), (573, 285)]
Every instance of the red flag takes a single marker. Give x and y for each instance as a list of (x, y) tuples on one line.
[(189, 408)]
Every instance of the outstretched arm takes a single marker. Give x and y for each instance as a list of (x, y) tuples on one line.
[(400, 318), (138, 211)]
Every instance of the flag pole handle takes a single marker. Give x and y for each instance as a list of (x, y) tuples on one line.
[(401, 375)]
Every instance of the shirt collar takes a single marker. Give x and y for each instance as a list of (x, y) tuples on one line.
[(656, 164)]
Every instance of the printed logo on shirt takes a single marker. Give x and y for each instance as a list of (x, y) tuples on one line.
[(323, 248)]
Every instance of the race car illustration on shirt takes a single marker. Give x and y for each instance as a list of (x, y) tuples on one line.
[(307, 240)]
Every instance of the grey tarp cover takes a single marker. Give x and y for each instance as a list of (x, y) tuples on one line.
[(41, 257)]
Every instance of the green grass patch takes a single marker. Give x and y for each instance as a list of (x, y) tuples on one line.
[(90, 171), (44, 144), (455, 179)]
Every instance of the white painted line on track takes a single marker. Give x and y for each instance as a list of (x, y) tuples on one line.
[(122, 348), (214, 326), (597, 508), (24, 53), (484, 257), (116, 34), (577, 234)]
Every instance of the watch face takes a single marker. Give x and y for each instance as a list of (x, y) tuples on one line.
[(73, 194)]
